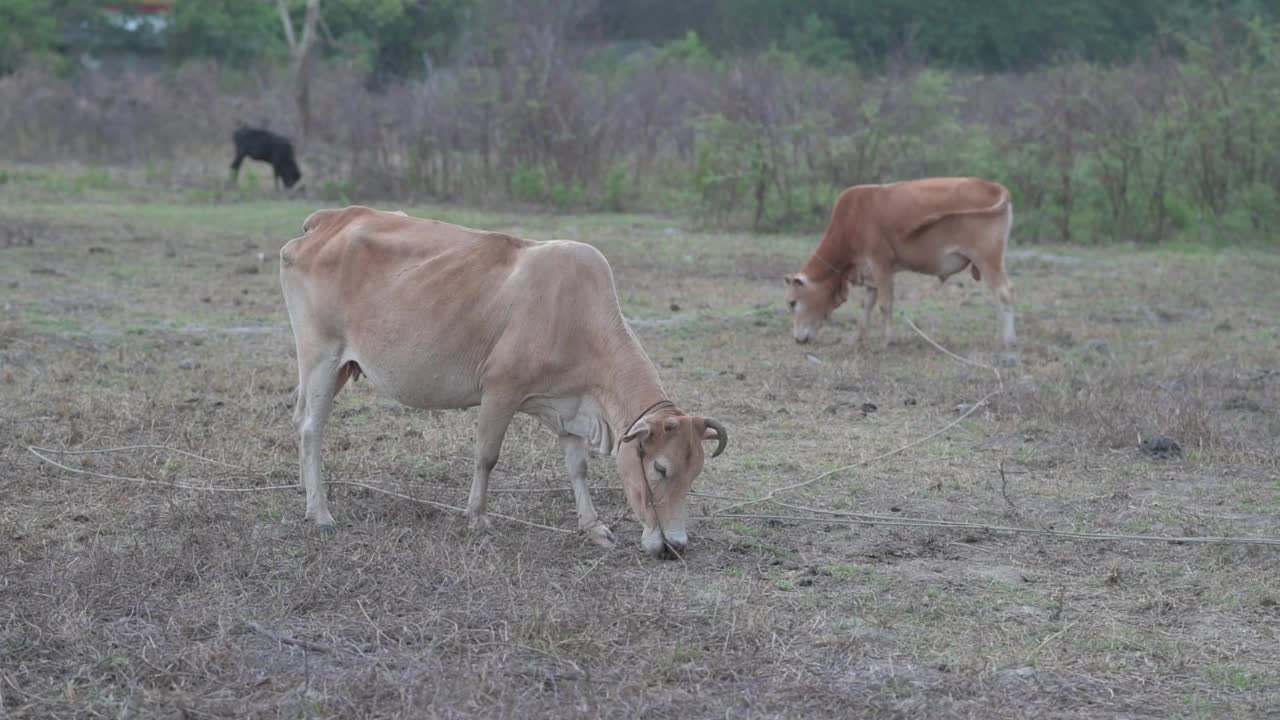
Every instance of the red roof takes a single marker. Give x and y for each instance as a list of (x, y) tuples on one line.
[(144, 6)]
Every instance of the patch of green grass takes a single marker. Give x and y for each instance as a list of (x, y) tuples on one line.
[(56, 325), (1197, 706), (1234, 677), (846, 571)]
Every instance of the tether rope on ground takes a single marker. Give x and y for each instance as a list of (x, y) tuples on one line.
[(39, 452), (841, 516)]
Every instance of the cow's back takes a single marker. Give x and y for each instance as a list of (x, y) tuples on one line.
[(442, 301)]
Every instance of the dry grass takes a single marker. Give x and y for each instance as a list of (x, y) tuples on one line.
[(118, 599)]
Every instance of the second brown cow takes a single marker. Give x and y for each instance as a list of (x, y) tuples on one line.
[(935, 226)]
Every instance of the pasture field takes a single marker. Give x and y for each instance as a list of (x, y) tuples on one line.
[(137, 317)]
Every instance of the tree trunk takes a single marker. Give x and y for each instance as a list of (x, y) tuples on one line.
[(300, 50)]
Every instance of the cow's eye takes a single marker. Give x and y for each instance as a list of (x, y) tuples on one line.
[(662, 469), (791, 304)]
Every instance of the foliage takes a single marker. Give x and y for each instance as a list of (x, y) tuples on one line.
[(393, 38), (815, 41), (239, 33), (26, 28), (32, 29), (956, 33)]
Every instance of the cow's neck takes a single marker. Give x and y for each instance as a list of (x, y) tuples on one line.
[(833, 259), (629, 387), (831, 267)]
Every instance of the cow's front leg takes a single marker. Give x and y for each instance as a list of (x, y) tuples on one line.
[(575, 461), (490, 429)]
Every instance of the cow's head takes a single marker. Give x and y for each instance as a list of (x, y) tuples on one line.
[(662, 455), (290, 173), (812, 301)]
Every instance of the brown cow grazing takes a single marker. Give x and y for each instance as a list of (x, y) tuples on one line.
[(441, 316), (937, 226)]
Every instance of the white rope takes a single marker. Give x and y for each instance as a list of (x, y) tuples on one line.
[(261, 488)]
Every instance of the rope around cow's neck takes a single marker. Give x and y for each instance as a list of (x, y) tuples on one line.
[(648, 489), (834, 272)]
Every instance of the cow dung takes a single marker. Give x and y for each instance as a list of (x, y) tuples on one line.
[(1161, 447)]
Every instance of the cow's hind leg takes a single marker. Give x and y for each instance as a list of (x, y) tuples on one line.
[(320, 379), (235, 168), (884, 295), (575, 461), (495, 417), (993, 272), (868, 304)]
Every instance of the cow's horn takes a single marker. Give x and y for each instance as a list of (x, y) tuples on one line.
[(722, 436)]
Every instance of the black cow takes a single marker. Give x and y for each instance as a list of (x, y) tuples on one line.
[(268, 147)]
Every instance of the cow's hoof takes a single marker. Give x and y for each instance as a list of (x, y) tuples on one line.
[(324, 528), (479, 522), (322, 521), (600, 535)]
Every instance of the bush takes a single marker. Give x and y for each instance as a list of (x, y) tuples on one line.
[(615, 188), (529, 184)]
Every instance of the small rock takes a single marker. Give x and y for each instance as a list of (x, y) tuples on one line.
[(188, 364), (759, 323), (247, 270), (1243, 402), (1161, 447), (813, 359), (909, 402), (740, 376), (675, 307), (868, 408), (1224, 326), (1098, 346)]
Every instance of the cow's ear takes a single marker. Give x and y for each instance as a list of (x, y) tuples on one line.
[(639, 431), (795, 280)]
